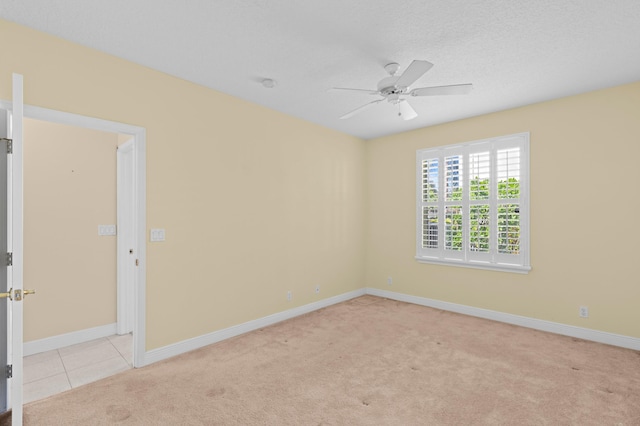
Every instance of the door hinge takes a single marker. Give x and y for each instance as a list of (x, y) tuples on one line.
[(9, 145), (9, 371), (9, 259)]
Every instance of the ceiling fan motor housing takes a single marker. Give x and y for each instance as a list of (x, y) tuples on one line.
[(387, 88)]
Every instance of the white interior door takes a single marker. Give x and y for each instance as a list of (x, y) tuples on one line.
[(126, 237), (4, 248), (15, 241)]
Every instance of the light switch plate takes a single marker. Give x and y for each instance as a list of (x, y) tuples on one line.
[(106, 230), (157, 235)]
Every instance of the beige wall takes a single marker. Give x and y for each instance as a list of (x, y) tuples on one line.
[(584, 154), (254, 202), (69, 189)]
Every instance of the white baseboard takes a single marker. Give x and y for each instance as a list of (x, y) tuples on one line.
[(552, 327), (172, 350), (68, 339), (169, 351)]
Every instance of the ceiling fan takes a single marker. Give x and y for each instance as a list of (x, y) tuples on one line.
[(393, 89)]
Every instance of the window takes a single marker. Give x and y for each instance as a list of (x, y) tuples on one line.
[(473, 204)]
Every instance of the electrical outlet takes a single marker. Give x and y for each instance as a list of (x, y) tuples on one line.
[(317, 289), (289, 296), (584, 312), (389, 281)]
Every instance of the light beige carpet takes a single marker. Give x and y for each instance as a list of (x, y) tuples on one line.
[(369, 361)]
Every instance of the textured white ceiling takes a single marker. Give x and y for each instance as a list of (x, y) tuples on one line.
[(515, 52)]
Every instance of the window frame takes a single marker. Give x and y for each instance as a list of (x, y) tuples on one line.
[(491, 260)]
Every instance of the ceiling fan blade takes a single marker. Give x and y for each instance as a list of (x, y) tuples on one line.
[(413, 72), (369, 91), (454, 89), (360, 109), (406, 111)]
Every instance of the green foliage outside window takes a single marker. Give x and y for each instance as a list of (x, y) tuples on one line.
[(509, 188)]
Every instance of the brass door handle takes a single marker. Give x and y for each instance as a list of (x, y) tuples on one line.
[(17, 294)]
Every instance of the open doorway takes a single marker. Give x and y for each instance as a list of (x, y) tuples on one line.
[(70, 232), (70, 239), (77, 231)]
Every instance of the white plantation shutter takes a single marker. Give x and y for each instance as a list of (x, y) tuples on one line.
[(429, 206), (508, 172), (453, 226), (453, 177), (430, 179), (479, 175), (472, 204), (480, 210), (430, 227), (453, 230)]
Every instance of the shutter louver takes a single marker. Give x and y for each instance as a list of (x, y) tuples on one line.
[(479, 228), (430, 227), (430, 183), (508, 172), (453, 178), (453, 228), (509, 228), (479, 173), (430, 180)]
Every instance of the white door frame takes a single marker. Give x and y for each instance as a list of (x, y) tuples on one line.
[(139, 197)]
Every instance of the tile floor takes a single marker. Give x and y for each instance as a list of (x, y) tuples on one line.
[(55, 371)]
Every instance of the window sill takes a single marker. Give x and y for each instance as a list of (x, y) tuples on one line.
[(501, 267)]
